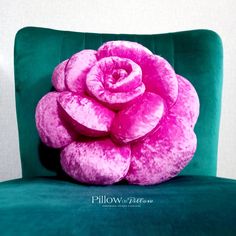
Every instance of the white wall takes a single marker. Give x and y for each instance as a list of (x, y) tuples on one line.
[(121, 16)]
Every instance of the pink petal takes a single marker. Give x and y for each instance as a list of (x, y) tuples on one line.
[(160, 78), (77, 68), (115, 81), (51, 128), (124, 49), (163, 154), (187, 104), (88, 116), (139, 119), (96, 162), (58, 77)]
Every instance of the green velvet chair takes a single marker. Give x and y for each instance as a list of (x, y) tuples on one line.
[(47, 202)]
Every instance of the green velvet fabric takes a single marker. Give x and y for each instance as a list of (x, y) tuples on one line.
[(197, 55), (186, 205)]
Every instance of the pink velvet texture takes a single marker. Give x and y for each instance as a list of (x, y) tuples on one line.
[(120, 112)]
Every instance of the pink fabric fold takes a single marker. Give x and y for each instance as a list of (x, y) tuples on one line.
[(96, 162), (87, 115), (139, 119), (187, 104), (77, 68), (124, 49), (53, 131), (58, 77), (160, 78)]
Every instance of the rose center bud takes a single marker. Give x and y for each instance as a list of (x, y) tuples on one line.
[(120, 78), (115, 81), (116, 77), (119, 74)]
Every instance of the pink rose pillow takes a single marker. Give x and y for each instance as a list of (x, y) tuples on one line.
[(120, 112)]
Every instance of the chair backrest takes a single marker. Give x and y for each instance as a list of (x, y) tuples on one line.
[(196, 54)]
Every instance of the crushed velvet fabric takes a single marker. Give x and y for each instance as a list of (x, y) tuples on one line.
[(120, 112)]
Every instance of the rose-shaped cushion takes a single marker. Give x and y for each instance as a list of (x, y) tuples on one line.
[(120, 112)]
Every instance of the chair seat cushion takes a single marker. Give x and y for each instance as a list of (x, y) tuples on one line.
[(186, 205)]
